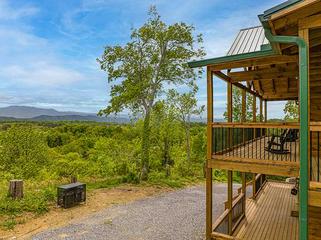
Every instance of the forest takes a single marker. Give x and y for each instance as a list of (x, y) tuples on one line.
[(47, 154)]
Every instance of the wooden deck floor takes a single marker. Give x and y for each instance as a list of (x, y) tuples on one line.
[(269, 217), (256, 150)]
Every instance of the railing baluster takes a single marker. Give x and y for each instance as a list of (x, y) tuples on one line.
[(311, 173), (318, 172), (261, 143), (248, 146)]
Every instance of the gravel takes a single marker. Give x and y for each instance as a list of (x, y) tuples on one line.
[(175, 215)]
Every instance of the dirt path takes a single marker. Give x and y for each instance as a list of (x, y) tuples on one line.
[(172, 215), (97, 200)]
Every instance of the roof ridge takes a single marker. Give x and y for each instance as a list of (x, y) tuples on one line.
[(247, 28)]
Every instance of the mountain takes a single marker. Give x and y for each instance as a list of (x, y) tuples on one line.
[(30, 112), (45, 114)]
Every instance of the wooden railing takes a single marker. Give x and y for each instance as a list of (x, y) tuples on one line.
[(260, 180), (268, 141), (315, 152), (238, 212)]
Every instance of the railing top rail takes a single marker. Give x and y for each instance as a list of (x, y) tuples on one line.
[(283, 125)]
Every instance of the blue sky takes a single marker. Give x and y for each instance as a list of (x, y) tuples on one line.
[(49, 48)]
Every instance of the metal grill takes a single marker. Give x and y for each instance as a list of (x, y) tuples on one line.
[(71, 194)]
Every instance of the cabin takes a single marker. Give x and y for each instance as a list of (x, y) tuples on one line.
[(279, 60)]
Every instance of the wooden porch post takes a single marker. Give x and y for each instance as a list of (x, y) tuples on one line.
[(254, 108), (209, 183), (229, 172), (265, 110), (261, 110), (254, 120), (303, 208), (243, 119)]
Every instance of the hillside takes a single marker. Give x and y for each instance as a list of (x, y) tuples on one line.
[(26, 113)]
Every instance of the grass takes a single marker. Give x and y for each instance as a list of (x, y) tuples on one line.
[(40, 196)]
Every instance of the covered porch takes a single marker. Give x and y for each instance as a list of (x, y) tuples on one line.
[(269, 216), (277, 61)]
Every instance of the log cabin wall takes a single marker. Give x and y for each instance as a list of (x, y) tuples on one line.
[(315, 74), (315, 101)]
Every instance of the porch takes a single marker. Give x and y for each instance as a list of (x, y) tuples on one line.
[(267, 148), (269, 216)]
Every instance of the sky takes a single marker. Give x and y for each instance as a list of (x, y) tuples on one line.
[(48, 49)]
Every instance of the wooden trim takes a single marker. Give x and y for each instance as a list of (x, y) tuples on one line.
[(314, 126), (316, 186), (230, 173), (237, 223), (292, 9), (310, 22), (261, 110), (256, 125), (221, 218), (209, 175), (262, 61), (253, 185), (265, 111), (230, 200), (314, 198), (239, 85), (269, 167), (221, 236)]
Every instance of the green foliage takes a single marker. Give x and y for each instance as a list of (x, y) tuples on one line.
[(156, 56), (291, 110), (237, 106), (23, 151)]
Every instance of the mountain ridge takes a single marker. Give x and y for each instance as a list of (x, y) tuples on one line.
[(29, 113)]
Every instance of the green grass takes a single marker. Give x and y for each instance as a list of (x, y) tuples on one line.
[(39, 196), (8, 224)]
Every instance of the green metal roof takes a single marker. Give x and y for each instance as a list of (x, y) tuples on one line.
[(243, 56), (265, 48), (248, 40)]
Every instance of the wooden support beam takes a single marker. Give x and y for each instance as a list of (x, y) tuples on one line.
[(209, 182), (261, 91), (254, 108), (270, 73), (243, 177), (253, 185), (313, 21), (273, 86), (243, 118), (269, 167), (280, 21), (230, 200), (280, 96), (265, 111), (230, 173), (263, 61), (261, 110), (239, 85)]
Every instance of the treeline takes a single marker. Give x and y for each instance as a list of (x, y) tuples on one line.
[(51, 151)]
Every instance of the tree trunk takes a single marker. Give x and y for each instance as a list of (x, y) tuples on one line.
[(73, 179), (188, 144), (145, 148), (16, 189)]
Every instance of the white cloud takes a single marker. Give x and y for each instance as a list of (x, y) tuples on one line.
[(40, 73), (9, 13)]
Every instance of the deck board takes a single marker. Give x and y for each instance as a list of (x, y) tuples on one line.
[(269, 217), (256, 149)]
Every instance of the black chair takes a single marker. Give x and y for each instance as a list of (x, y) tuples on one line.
[(276, 144), (292, 135)]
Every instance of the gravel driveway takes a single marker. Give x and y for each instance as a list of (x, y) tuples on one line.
[(174, 215)]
